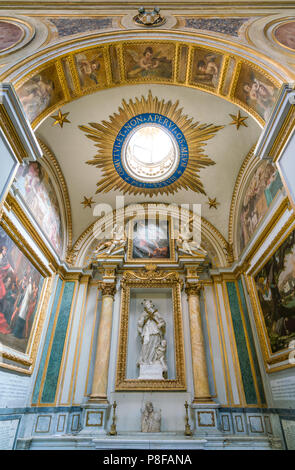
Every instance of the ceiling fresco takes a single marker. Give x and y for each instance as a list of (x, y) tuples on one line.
[(167, 62)]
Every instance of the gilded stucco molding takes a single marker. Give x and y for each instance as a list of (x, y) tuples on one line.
[(150, 273)]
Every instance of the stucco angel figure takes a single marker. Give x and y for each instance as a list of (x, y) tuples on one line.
[(185, 242), (151, 327), (150, 418), (114, 244)]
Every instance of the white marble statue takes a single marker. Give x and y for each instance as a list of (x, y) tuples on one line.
[(150, 418), (115, 244), (151, 328), (185, 244), (160, 357)]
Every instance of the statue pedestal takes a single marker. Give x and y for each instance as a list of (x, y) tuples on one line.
[(94, 418), (206, 422), (150, 372)]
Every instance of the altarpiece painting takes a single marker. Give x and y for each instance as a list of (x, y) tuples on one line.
[(151, 239), (20, 289), (275, 284)]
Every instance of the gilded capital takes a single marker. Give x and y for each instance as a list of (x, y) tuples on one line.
[(193, 288), (108, 288)]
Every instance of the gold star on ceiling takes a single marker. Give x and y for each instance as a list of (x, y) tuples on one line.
[(212, 203), (60, 118), (238, 120), (87, 202)]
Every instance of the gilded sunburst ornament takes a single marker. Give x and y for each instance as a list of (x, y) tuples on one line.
[(148, 147)]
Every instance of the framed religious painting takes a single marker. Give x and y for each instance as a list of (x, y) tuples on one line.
[(150, 239), (24, 287), (36, 190), (151, 351), (262, 189), (272, 289)]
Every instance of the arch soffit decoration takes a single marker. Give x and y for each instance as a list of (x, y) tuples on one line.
[(210, 235), (235, 61)]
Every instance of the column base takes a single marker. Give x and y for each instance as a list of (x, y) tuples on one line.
[(94, 418), (205, 417), (98, 399), (203, 400)]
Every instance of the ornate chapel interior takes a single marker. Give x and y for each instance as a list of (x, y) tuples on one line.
[(147, 225)]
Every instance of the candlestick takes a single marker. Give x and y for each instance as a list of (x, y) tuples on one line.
[(113, 430), (187, 431)]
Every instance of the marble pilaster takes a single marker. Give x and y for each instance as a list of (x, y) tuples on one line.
[(100, 377), (200, 372)]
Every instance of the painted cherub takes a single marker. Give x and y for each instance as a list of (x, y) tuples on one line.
[(147, 63)]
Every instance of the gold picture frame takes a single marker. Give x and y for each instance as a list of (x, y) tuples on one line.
[(273, 361), (11, 358), (157, 260), (151, 278)]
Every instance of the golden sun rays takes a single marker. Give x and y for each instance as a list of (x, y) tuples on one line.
[(190, 137)]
